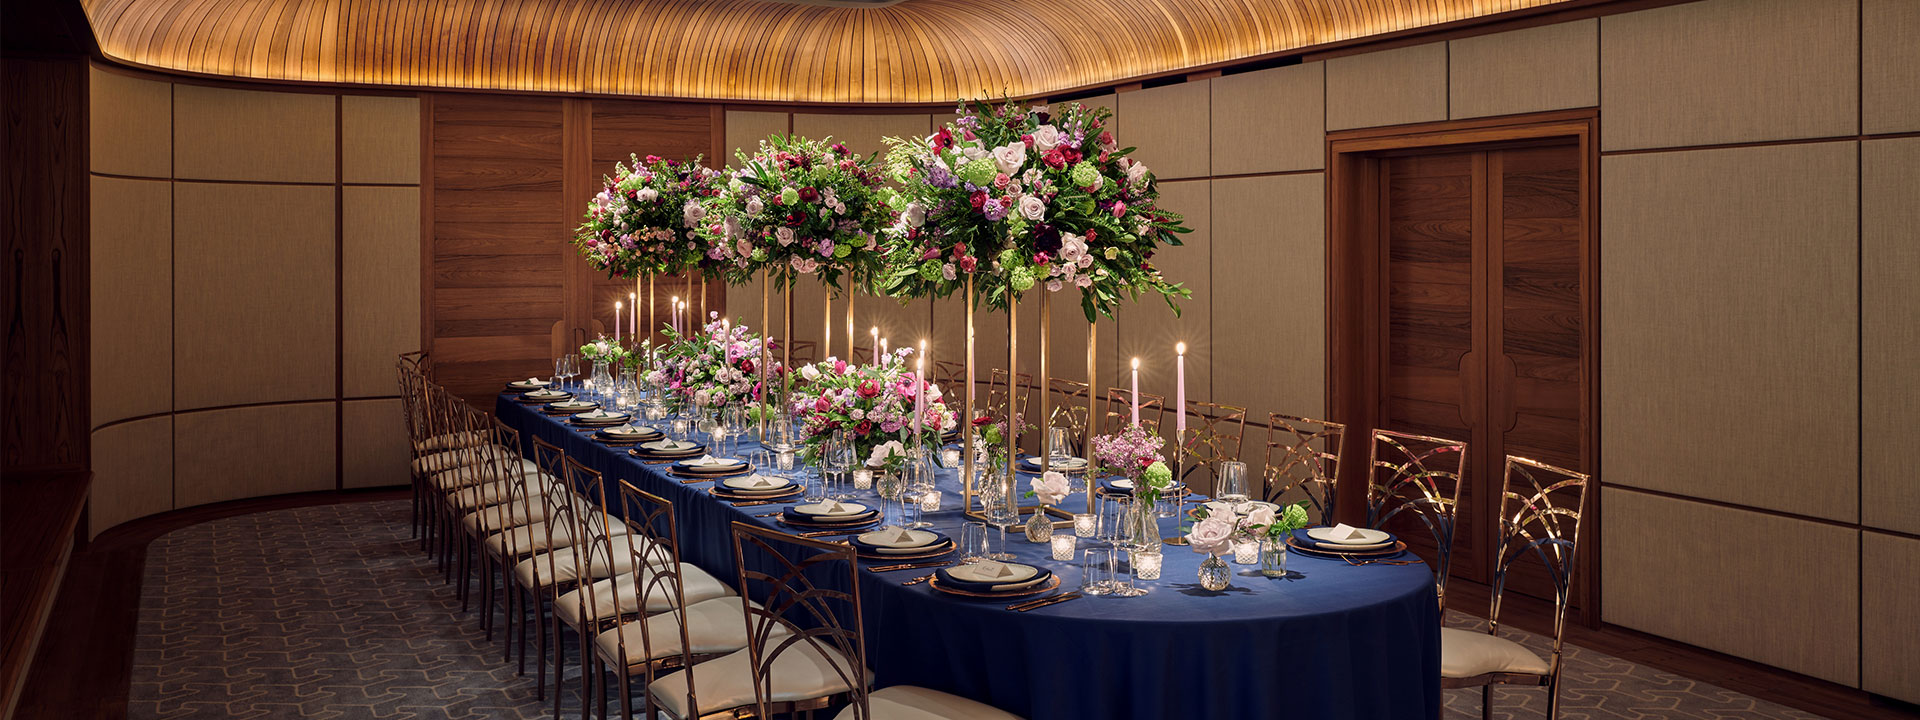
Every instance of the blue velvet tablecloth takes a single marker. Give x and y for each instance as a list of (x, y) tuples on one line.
[(1331, 641)]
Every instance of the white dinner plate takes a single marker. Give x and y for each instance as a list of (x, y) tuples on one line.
[(890, 538), (711, 463), (973, 573), (637, 430), (1368, 536), (750, 483), (669, 445), (820, 509), (1066, 464), (1122, 483)]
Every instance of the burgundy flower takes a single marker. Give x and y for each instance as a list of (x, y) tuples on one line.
[(865, 426), (978, 198), (809, 194), (943, 139), (1041, 258), (868, 389), (1028, 139), (967, 263), (1055, 158)]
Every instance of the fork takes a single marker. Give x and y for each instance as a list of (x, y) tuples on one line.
[(918, 580)]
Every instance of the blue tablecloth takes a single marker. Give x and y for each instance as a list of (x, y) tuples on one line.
[(1331, 641)]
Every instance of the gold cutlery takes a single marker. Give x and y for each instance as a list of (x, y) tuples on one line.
[(918, 580), (909, 566), (831, 533), (1042, 602), (1358, 563), (750, 503)]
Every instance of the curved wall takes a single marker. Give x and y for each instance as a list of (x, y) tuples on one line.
[(255, 268)]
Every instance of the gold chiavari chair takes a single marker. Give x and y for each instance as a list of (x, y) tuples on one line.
[(418, 361), (687, 615), (861, 354), (803, 352), (1069, 411), (1540, 511), (999, 388), (529, 542), (952, 377), (1214, 436), (1303, 454), (1421, 476), (601, 548), (413, 411), (1153, 409), (805, 650)]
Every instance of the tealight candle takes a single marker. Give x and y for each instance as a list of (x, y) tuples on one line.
[(784, 460), (1146, 565), (950, 457), (1063, 547), (863, 479), (1086, 524), (1246, 552), (930, 501)]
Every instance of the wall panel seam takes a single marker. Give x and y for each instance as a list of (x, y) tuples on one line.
[(1763, 511)]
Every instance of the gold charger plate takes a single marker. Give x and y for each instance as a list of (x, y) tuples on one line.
[(1050, 584), (723, 494), (945, 548), (744, 470), (1397, 547)]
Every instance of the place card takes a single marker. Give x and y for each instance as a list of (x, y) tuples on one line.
[(898, 536), (992, 570), (1347, 533)]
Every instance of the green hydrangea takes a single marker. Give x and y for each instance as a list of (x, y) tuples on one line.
[(1113, 253), (789, 196), (759, 255), (1021, 278), (979, 172), (930, 270), (1010, 258), (842, 250), (1016, 225), (1084, 174), (1157, 475), (1294, 517)]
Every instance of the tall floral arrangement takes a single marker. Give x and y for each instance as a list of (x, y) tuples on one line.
[(645, 220), (800, 207), (1022, 196), (714, 368), (606, 350), (872, 404)]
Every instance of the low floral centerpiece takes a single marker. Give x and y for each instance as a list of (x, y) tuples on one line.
[(645, 220), (713, 369), (869, 405)]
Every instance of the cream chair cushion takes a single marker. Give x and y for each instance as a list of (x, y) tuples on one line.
[(471, 475), (802, 671), (449, 441), (906, 702), (494, 518), (450, 459), (533, 538), (565, 566), (609, 603), (499, 491), (1467, 653), (714, 626)]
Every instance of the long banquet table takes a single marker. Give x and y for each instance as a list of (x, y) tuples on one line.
[(1330, 641)]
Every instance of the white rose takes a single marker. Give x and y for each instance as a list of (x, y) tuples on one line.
[(647, 195), (915, 214), (810, 373), (1136, 172), (754, 206), (784, 235), (1033, 208), (1261, 516), (1009, 157), (1045, 137)]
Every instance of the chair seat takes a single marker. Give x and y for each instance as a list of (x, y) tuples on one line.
[(906, 702), (471, 475), (1467, 653), (450, 441), (714, 626), (801, 672), (495, 492), (450, 459), (496, 517), (528, 539), (564, 564), (696, 584)]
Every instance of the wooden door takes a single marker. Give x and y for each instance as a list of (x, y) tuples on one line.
[(1485, 320)]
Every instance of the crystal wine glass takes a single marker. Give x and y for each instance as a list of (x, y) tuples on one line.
[(1232, 485), (1002, 509)]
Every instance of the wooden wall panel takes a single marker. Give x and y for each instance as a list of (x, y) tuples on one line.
[(1712, 257), (252, 451), (1388, 87), (1890, 615), (132, 472), (380, 139), (1889, 331), (1890, 70), (863, 134), (745, 130), (1664, 578), (1269, 294), (1718, 65), (261, 136), (1164, 124), (373, 444), (132, 290), (1148, 330), (1270, 120), (253, 294), (130, 124), (379, 285), (1551, 67)]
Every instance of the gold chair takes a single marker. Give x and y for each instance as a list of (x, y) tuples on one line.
[(952, 377), (1421, 476), (1302, 453), (803, 352), (805, 649), (1153, 409), (1215, 437), (1070, 412), (1540, 511)]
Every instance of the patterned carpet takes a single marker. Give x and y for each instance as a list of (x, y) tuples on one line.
[(331, 612)]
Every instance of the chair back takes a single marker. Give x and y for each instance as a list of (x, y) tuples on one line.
[(1000, 387), (1215, 436), (1540, 509), (1153, 409), (418, 361), (592, 545), (802, 352), (413, 402), (1069, 411), (560, 515), (507, 465), (1420, 476), (651, 518), (952, 377), (782, 573), (1303, 454)]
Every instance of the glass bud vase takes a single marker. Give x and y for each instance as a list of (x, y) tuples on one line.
[(1214, 573), (1273, 558), (1040, 527)]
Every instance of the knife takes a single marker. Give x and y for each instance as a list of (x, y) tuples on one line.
[(908, 566), (1043, 602), (918, 580)]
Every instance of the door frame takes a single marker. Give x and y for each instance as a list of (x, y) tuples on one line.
[(1356, 288)]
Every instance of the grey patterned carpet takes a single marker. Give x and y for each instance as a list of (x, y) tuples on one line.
[(331, 612)]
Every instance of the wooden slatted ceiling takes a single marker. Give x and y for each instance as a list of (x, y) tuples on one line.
[(913, 51)]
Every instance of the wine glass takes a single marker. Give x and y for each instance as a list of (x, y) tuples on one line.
[(1232, 485), (559, 371), (918, 483), (1002, 509), (1058, 449)]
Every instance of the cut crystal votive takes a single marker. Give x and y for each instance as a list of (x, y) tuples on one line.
[(1063, 547)]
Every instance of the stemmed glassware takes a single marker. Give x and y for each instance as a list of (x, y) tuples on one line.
[(1059, 449), (914, 488), (1231, 486), (1003, 508)]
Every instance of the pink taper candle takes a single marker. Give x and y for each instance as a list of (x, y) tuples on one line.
[(633, 318), (1136, 392), (919, 395), (1180, 393), (876, 344), (616, 322)]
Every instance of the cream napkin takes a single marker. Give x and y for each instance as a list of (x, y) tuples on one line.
[(1347, 533), (991, 570)]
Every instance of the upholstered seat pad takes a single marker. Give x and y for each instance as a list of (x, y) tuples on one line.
[(565, 566), (495, 517), (534, 538), (802, 671), (714, 626), (495, 492), (487, 472), (449, 441), (906, 702), (1465, 654), (609, 601), (450, 459)]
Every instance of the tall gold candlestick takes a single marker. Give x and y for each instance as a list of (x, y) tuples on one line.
[(1093, 381), (966, 421), (1046, 378)]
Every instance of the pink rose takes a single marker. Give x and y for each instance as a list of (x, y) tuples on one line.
[(1210, 536), (1051, 487)]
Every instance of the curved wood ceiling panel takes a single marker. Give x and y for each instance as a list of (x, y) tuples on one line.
[(910, 52)]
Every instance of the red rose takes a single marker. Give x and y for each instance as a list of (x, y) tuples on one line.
[(821, 405), (809, 194), (967, 263), (1071, 154), (979, 198), (1054, 158), (959, 249), (868, 389), (746, 364), (982, 421), (1106, 138), (1028, 139), (1092, 234), (865, 426), (1041, 258)]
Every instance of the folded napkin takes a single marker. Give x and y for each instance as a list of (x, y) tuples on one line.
[(709, 461), (1344, 533), (992, 576)]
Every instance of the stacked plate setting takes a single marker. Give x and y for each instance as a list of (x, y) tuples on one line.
[(628, 434), (894, 543), (571, 407), (830, 514), (994, 580), (1342, 541), (709, 466), (527, 385), (754, 487), (1072, 464), (1124, 486), (545, 395), (664, 449), (601, 417)]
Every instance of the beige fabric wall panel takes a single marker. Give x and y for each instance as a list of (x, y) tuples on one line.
[(251, 452), (130, 124), (1714, 72), (1788, 597), (132, 297), (1551, 67), (380, 284), (221, 134), (380, 139), (132, 472), (860, 133), (1166, 124), (1148, 330), (1729, 326), (1270, 120), (1890, 659), (253, 294), (1890, 331), (1890, 77), (1389, 87), (373, 444), (745, 130), (1269, 301)]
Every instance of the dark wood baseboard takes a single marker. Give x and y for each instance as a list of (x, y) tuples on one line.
[(39, 516)]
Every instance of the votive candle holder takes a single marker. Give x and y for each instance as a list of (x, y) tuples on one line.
[(1146, 565), (930, 501), (1246, 552), (783, 461), (950, 457), (1086, 525), (863, 479), (1063, 547)]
